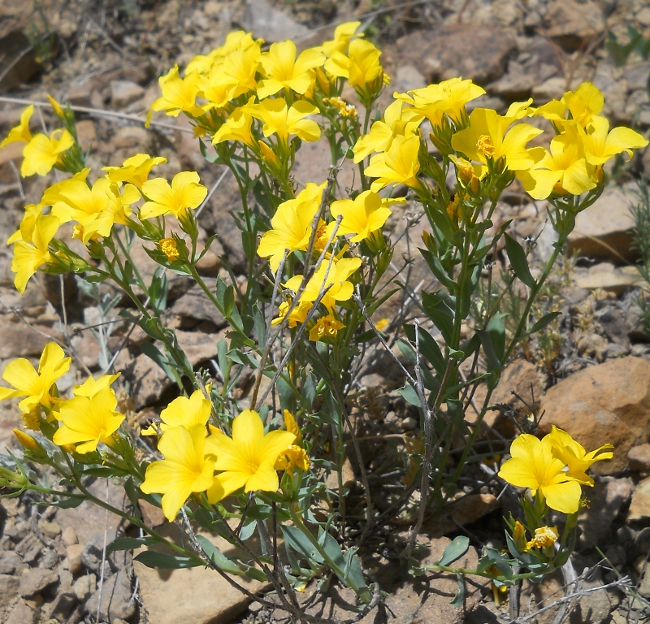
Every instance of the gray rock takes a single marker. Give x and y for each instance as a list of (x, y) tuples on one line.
[(194, 307), (472, 51), (606, 499), (124, 92), (9, 562), (407, 78), (29, 548), (60, 607), (272, 24), (22, 613), (85, 586), (8, 589), (35, 580), (116, 599), (639, 457)]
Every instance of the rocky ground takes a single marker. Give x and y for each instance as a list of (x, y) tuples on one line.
[(591, 375)]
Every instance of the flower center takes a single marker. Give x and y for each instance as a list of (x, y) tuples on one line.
[(485, 146)]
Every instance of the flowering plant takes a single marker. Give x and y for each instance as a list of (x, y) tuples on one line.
[(317, 273)]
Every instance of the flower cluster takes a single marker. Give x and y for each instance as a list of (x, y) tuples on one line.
[(553, 467), (249, 459)]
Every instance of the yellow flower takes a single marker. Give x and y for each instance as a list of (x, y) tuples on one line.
[(284, 71), (342, 36), (446, 98), (237, 127), (291, 426), (564, 169), (26, 441), (42, 152), (291, 225), (533, 466), (184, 412), (297, 316), (544, 537), (282, 121), (488, 137), (334, 278), (398, 165), (21, 131), (585, 102), (398, 121), (35, 386), (29, 257), (183, 471), (325, 327), (361, 66), (91, 386), (58, 109), (293, 457), (601, 144), (169, 248), (241, 66), (88, 421), (27, 225), (135, 169), (248, 458), (178, 95), (574, 456), (363, 215), (184, 193), (519, 536)]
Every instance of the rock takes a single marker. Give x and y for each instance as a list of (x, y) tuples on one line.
[(462, 512), (407, 78), (198, 346), (520, 377), (89, 520), (472, 51), (194, 307), (551, 89), (85, 586), (636, 75), (640, 505), (73, 552), (207, 598), (19, 60), (538, 61), (8, 589), (573, 23), (604, 230), (594, 607), (50, 529), (22, 613), (607, 403), (23, 341), (86, 134), (639, 457), (592, 346), (69, 536), (117, 600), (35, 580), (426, 599), (148, 380), (606, 276), (29, 548), (9, 562), (272, 24), (59, 609), (124, 92), (606, 499)]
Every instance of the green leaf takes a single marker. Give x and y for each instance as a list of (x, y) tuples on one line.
[(428, 348), (162, 561), (217, 557), (519, 262), (410, 395), (295, 538), (440, 309), (455, 550), (544, 321), (129, 543), (459, 598)]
